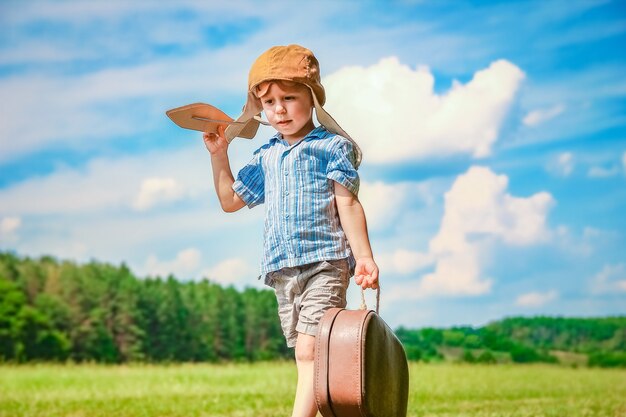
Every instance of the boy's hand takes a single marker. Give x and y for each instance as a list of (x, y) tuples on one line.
[(366, 273), (216, 143)]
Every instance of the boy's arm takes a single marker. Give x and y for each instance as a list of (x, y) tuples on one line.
[(222, 174), (353, 221)]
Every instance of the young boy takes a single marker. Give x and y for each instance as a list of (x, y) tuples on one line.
[(315, 228)]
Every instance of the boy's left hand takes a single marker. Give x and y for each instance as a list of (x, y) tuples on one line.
[(366, 273)]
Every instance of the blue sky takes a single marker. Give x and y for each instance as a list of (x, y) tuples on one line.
[(494, 138)]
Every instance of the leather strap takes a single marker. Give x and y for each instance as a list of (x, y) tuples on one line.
[(322, 393)]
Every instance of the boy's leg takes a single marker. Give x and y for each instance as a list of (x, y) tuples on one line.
[(304, 405), (304, 294)]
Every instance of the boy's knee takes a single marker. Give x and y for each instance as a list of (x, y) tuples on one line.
[(305, 348), (305, 354)]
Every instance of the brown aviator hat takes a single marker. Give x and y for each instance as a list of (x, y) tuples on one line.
[(290, 63)]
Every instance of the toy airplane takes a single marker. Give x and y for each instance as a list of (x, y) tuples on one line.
[(202, 117)]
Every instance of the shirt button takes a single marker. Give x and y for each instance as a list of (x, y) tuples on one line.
[(287, 216), (286, 173), (286, 192)]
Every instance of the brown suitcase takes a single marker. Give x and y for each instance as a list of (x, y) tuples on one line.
[(360, 366)]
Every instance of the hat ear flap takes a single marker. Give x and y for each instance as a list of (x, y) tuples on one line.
[(246, 126), (331, 125), (253, 103), (249, 130)]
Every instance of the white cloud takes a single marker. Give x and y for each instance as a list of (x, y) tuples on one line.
[(104, 184), (126, 93), (8, 231), (478, 203), (157, 190), (537, 117), (562, 165), (536, 299), (183, 266), (478, 211), (403, 261), (104, 105), (395, 115), (580, 246), (602, 172), (384, 203), (10, 224), (188, 265), (105, 24), (82, 213), (611, 279), (587, 244), (232, 271)]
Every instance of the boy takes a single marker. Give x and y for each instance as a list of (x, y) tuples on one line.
[(315, 228)]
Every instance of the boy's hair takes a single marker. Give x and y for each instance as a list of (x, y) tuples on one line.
[(292, 63), (263, 87)]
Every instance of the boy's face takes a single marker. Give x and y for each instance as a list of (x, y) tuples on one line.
[(288, 107)]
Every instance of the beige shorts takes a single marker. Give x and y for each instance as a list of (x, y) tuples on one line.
[(305, 292)]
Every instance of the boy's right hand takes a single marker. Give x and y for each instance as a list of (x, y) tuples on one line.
[(216, 143), (366, 273)]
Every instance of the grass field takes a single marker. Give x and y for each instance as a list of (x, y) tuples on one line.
[(266, 389)]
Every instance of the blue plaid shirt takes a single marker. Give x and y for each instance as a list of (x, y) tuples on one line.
[(296, 183)]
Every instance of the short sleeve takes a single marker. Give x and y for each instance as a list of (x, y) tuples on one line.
[(250, 182), (341, 166)]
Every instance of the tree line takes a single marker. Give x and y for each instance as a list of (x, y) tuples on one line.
[(54, 310), (524, 340), (51, 310)]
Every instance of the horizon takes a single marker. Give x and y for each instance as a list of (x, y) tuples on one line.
[(245, 286)]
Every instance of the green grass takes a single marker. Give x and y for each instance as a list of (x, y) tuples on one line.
[(266, 389)]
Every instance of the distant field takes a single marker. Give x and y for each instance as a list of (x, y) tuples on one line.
[(266, 390)]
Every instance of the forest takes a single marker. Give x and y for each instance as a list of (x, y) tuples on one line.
[(58, 311)]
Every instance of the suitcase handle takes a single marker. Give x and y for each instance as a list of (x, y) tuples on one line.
[(364, 306)]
